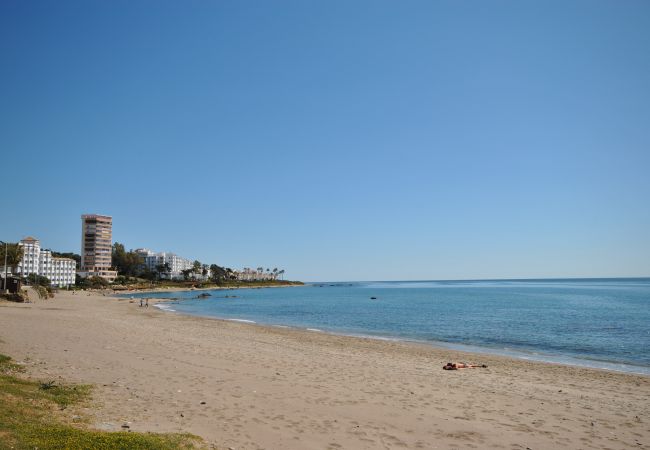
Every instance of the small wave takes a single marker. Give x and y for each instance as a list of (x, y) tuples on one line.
[(164, 307), (241, 320), (315, 329), (377, 338)]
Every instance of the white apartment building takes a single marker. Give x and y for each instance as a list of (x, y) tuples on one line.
[(176, 263), (31, 256), (248, 274), (60, 271)]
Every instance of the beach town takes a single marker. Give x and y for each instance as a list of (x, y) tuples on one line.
[(237, 385), (293, 225), (101, 263)]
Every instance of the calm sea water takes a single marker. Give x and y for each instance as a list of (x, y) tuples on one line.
[(596, 322)]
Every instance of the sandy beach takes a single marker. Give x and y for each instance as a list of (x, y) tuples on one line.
[(248, 387)]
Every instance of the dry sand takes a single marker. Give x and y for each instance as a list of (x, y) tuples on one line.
[(276, 388)]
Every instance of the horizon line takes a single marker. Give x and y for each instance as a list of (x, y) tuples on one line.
[(487, 279)]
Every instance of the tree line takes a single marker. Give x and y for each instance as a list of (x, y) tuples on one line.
[(131, 264)]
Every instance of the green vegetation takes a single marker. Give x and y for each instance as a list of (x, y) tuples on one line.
[(230, 284), (217, 273), (187, 273), (163, 270), (93, 282), (141, 283), (126, 263), (133, 272), (32, 416), (39, 280), (125, 280), (70, 255), (14, 255), (258, 283)]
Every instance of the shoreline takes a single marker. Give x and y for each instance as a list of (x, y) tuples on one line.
[(476, 350), (246, 386), (520, 354), (170, 289)]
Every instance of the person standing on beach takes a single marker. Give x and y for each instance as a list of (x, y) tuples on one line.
[(140, 303), (147, 304)]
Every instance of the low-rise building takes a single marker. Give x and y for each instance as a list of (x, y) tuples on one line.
[(248, 274), (60, 271), (153, 261)]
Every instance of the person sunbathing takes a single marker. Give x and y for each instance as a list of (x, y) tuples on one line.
[(460, 365)]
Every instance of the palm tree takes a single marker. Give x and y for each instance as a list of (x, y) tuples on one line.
[(275, 273), (14, 253)]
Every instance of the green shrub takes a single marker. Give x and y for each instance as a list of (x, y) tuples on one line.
[(39, 280)]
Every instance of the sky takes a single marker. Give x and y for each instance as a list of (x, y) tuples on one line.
[(338, 140)]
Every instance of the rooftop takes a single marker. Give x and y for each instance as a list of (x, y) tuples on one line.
[(95, 216)]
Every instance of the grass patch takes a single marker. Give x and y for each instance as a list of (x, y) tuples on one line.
[(8, 367), (30, 417)]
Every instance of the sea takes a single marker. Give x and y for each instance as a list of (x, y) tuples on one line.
[(601, 323)]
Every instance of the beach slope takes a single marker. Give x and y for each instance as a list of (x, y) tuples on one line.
[(244, 386)]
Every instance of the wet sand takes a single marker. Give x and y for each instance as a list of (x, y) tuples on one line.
[(247, 386)]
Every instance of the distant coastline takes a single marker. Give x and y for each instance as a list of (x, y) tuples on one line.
[(188, 287)]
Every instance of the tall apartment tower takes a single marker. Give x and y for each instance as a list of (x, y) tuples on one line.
[(96, 246)]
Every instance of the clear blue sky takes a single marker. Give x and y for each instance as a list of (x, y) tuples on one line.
[(365, 140)]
